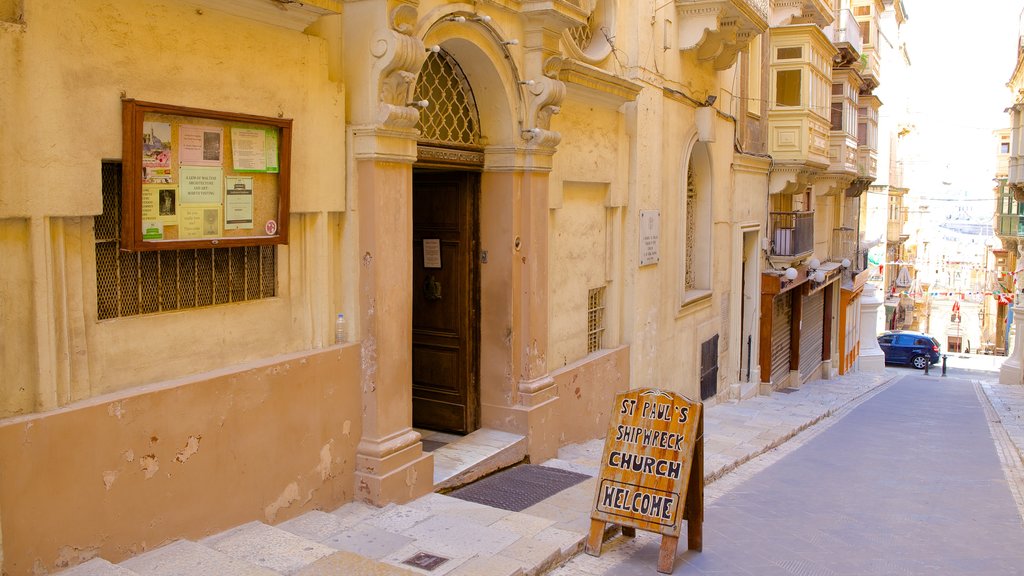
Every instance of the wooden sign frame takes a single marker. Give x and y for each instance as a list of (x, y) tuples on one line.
[(652, 474), (266, 200)]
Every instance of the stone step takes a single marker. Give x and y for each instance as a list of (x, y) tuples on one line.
[(98, 567), (186, 557), (272, 548)]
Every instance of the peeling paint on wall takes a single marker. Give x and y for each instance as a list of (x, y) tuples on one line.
[(191, 447), (346, 428), (325, 461), (70, 556), (149, 465), (286, 499), (108, 478), (129, 455), (115, 410)]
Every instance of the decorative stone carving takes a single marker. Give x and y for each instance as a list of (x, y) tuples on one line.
[(719, 29), (399, 59), (544, 99), (790, 180)]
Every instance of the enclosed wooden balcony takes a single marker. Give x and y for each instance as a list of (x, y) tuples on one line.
[(843, 145), (867, 13), (1010, 225), (844, 244), (799, 99), (717, 30), (867, 136)]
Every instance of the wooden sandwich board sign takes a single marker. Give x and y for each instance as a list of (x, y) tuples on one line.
[(652, 472)]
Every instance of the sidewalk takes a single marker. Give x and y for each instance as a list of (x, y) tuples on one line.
[(461, 538)]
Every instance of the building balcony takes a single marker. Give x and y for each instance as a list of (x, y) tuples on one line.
[(870, 68), (799, 97), (867, 162), (817, 12), (894, 231), (843, 153), (1015, 171), (844, 244), (1009, 225), (792, 235), (867, 14), (717, 30), (846, 38)]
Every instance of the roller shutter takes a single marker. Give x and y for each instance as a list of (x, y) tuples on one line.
[(782, 314), (811, 333)]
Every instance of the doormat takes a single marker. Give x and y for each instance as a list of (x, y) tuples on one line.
[(516, 489)]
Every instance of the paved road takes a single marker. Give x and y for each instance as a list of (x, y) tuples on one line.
[(909, 482)]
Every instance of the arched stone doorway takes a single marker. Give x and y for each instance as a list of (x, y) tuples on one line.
[(446, 251), (511, 183)]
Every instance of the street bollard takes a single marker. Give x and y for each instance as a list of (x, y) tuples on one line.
[(943, 365), (927, 364)]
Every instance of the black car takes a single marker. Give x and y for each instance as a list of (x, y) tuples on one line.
[(906, 347)]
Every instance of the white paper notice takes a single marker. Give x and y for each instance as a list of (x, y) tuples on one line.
[(238, 203), (249, 149), (431, 253), (201, 185)]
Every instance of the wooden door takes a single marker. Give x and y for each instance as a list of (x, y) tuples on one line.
[(445, 310)]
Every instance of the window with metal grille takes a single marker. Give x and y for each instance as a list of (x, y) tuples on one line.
[(709, 368), (133, 283), (451, 117), (595, 319), (689, 275)]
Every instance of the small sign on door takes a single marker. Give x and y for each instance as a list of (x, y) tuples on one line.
[(431, 253)]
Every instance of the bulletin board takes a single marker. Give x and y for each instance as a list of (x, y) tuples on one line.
[(196, 178)]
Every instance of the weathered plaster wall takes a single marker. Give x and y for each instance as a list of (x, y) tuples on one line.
[(578, 263), (664, 332), (16, 308), (68, 67), (65, 71), (123, 473)]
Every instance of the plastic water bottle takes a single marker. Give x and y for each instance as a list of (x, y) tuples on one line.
[(339, 329)]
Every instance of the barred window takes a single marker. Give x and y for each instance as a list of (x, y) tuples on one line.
[(133, 283), (595, 319)]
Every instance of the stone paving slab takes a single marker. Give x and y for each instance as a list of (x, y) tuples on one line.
[(269, 547), (352, 564), (98, 567), (185, 557)]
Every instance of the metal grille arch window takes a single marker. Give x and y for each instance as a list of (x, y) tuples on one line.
[(451, 117)]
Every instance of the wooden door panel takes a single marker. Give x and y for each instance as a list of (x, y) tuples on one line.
[(445, 332)]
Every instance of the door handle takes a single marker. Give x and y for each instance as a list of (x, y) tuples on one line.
[(431, 288)]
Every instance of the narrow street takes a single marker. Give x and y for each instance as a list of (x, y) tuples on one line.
[(908, 482)]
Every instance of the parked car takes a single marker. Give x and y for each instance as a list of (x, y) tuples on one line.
[(916, 349)]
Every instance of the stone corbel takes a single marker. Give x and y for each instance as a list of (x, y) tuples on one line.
[(784, 180), (858, 186), (1018, 191), (831, 185), (718, 29), (399, 59), (545, 97)]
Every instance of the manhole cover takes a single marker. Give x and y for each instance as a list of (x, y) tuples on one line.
[(516, 489), (425, 561)]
